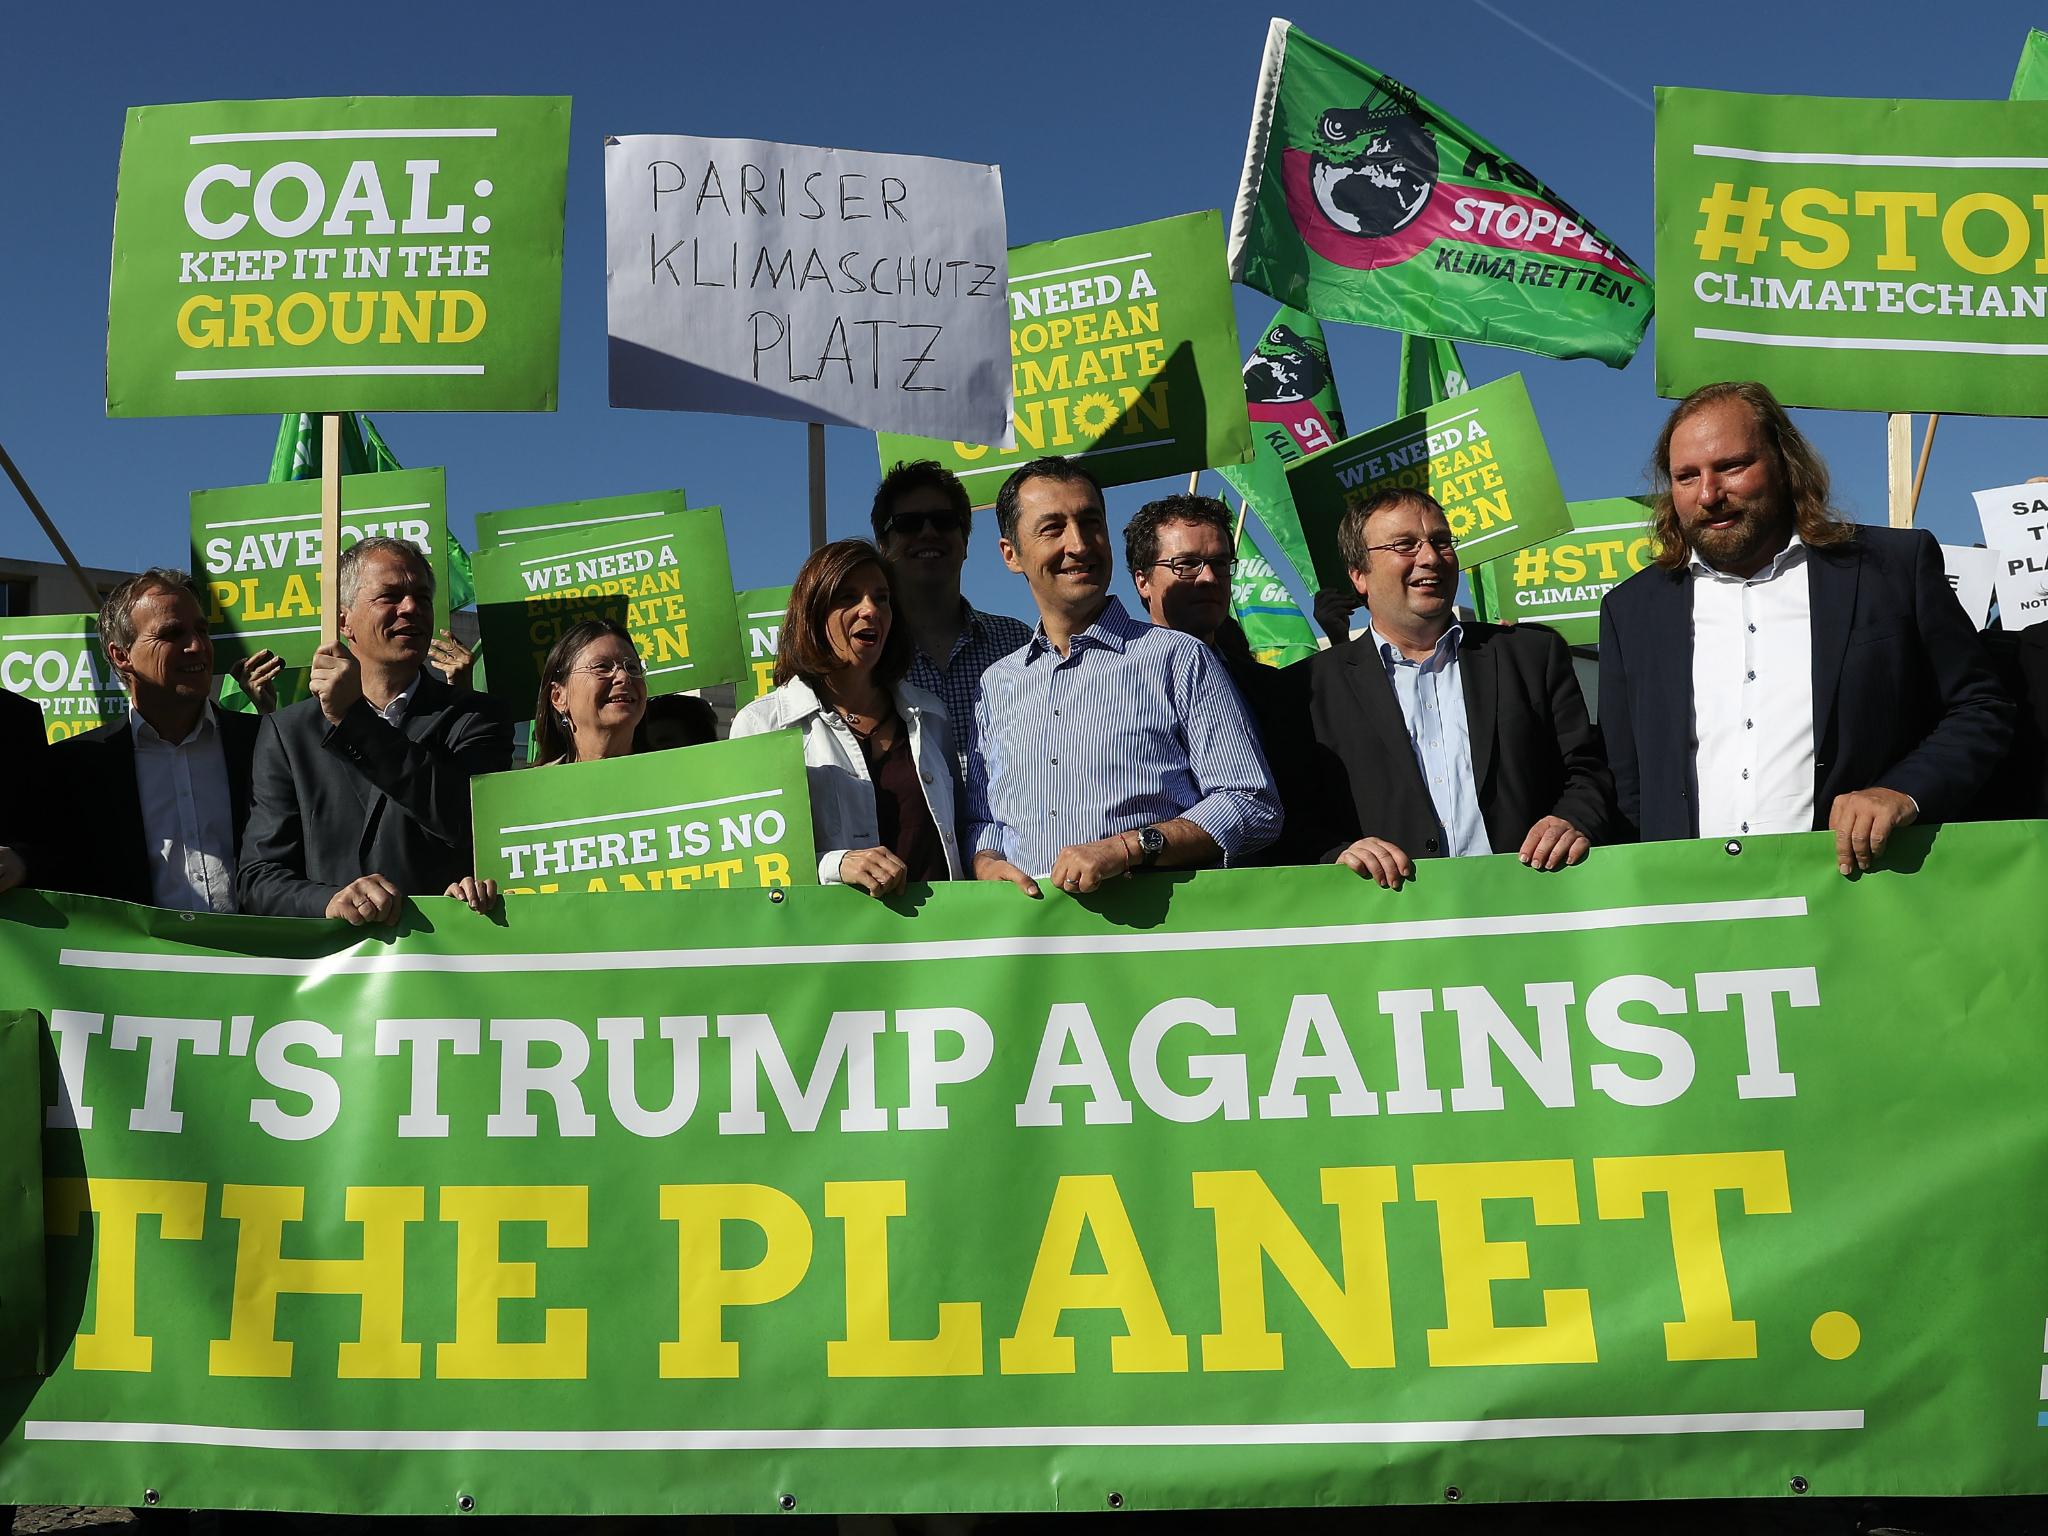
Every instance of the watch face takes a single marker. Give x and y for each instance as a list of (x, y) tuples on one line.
[(1151, 842)]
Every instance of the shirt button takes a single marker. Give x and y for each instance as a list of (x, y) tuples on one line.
[(1052, 813), (1055, 762), (1055, 711), (1752, 629), (1752, 677), (1745, 773), (1749, 725), (1745, 826)]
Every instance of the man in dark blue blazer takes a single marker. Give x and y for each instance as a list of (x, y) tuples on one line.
[(1779, 669)]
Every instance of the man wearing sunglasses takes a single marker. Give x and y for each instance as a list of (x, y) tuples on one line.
[(1436, 738), (921, 521)]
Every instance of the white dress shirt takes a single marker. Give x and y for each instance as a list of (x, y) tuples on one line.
[(1432, 698), (401, 701), (188, 825), (1752, 697)]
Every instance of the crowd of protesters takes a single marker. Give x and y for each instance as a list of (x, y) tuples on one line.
[(1777, 669)]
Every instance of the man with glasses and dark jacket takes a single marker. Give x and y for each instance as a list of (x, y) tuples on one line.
[(1435, 738), (921, 520)]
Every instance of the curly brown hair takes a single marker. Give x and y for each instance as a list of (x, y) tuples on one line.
[(1801, 470)]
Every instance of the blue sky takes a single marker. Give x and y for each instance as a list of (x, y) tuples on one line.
[(1099, 116)]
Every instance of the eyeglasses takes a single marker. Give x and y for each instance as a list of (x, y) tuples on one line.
[(1445, 546), (916, 522), (1188, 567), (610, 669)]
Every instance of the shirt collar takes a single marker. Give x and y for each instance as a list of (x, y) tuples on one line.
[(1112, 630), (1793, 554), (146, 736), (1447, 645), (402, 701)]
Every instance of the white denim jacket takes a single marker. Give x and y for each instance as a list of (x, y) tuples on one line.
[(843, 815)]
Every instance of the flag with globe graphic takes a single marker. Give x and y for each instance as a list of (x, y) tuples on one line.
[(1364, 202)]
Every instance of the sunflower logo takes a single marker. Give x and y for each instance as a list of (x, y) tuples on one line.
[(1094, 414)]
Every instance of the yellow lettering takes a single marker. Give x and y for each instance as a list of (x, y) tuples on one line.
[(870, 1348), (1356, 1316), (1709, 1330), (1472, 1262), (1894, 206), (483, 1280), (116, 1206), (1834, 240), (1091, 1202), (705, 1287)]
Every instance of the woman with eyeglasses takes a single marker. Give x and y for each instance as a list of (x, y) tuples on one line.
[(593, 693), (877, 751)]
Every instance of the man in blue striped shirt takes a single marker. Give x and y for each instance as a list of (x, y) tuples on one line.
[(1106, 744)]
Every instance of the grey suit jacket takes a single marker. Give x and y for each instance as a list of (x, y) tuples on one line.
[(335, 803)]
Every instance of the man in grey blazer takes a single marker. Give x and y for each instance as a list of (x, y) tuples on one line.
[(361, 792)]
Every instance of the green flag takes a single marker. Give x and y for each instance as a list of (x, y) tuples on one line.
[(1274, 626), (1362, 201), (2030, 80), (1430, 372)]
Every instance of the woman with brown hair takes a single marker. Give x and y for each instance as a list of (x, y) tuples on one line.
[(877, 751), (593, 693)]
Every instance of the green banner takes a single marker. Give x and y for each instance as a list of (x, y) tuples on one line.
[(1561, 581), (761, 611), (56, 661), (1363, 201), (1480, 454), (1647, 1179), (23, 1306), (1123, 349), (723, 815), (666, 578), (350, 253), (1861, 255), (257, 548), (494, 529)]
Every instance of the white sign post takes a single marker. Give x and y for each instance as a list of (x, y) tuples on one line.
[(2015, 519), (818, 285)]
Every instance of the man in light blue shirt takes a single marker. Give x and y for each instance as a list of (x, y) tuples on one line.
[(1106, 744)]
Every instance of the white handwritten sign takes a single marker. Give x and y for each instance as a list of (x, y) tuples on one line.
[(826, 285), (2022, 587)]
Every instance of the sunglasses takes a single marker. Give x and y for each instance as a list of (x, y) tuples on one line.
[(904, 523)]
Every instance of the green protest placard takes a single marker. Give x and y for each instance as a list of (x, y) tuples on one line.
[(57, 662), (257, 548), (1857, 254), (667, 579), (520, 523), (761, 611), (1364, 201), (350, 253), (1561, 581), (723, 815), (1246, 1189), (1480, 454), (1124, 353)]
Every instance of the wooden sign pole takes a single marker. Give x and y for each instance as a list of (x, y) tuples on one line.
[(1899, 464), (330, 528), (816, 431), (1920, 474)]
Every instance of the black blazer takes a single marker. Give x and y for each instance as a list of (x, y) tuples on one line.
[(1902, 694), (103, 852), (1534, 752), (335, 803), (25, 782)]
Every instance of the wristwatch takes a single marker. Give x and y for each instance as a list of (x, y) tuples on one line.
[(1151, 843)]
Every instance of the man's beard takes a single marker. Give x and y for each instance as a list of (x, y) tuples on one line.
[(1756, 536)]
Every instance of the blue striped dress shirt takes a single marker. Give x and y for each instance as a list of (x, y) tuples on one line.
[(1432, 699), (1136, 724)]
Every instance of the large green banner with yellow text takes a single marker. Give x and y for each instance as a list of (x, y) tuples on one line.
[(1861, 255), (1695, 1171)]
